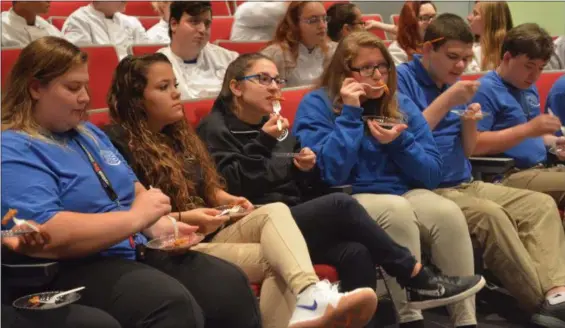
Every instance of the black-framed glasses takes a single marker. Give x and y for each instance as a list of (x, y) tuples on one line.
[(426, 18), (369, 71), (315, 20), (263, 79)]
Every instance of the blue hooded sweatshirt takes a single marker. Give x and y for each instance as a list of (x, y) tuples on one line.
[(346, 154)]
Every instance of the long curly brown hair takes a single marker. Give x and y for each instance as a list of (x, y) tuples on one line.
[(161, 157)]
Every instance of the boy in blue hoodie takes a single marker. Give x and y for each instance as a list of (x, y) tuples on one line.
[(520, 230), (515, 126)]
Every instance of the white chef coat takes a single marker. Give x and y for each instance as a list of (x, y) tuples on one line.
[(16, 32), (204, 77), (159, 33), (309, 65), (399, 56), (88, 26), (558, 59), (257, 21)]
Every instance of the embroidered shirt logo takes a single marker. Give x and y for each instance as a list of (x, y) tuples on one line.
[(110, 158), (532, 101)]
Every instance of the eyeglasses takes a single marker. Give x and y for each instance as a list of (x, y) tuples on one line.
[(195, 21), (263, 79), (426, 18), (316, 20), (369, 71)]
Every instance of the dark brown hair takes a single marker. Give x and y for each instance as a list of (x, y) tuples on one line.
[(448, 27), (528, 39), (161, 157)]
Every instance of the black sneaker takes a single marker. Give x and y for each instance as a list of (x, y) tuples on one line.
[(552, 313), (429, 289)]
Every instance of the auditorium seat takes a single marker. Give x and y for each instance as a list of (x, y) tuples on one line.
[(57, 21), (242, 47), (221, 28), (394, 19), (9, 57), (378, 32), (221, 8), (148, 21), (102, 61), (142, 49), (139, 8), (544, 84)]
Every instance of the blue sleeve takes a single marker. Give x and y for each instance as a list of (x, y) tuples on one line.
[(402, 79), (487, 99), (28, 184), (336, 143), (556, 100), (415, 149)]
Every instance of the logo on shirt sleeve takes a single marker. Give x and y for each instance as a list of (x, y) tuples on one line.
[(110, 158)]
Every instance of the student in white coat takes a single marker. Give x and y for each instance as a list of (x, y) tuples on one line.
[(199, 66), (21, 24), (301, 47), (101, 22), (257, 21), (159, 33)]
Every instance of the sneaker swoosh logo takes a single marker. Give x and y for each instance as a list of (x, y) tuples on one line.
[(439, 292), (312, 307)]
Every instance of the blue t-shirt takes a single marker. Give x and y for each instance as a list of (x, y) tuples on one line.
[(556, 100), (346, 154), (508, 106), (415, 82), (41, 178)]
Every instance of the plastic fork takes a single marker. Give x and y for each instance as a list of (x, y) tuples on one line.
[(53, 299), (227, 211), (20, 222), (552, 114), (277, 110)]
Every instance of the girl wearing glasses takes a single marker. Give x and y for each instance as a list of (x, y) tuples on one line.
[(164, 151), (395, 166), (266, 164), (415, 16), (300, 47)]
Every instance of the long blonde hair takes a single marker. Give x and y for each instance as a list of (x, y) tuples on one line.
[(497, 21), (339, 69), (43, 60)]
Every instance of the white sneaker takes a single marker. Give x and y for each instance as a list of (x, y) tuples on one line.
[(321, 305)]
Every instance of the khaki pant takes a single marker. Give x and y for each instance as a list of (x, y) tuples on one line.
[(550, 181), (521, 235), (422, 218), (269, 247)]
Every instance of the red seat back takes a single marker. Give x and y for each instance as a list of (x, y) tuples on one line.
[(387, 43), (9, 58), (196, 110), (139, 8), (99, 117), (58, 22), (102, 61), (328, 4), (221, 28), (293, 97), (544, 84), (221, 8), (242, 47), (378, 32), (143, 49), (149, 21), (394, 19)]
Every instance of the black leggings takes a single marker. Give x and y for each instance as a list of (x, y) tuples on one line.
[(187, 291), (72, 316), (340, 232)]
